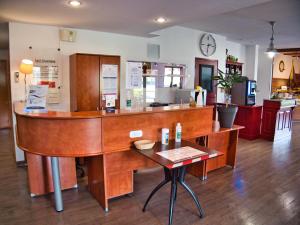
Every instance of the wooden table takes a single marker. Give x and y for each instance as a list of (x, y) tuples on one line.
[(175, 171)]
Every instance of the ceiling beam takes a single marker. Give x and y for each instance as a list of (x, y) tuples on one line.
[(288, 50)]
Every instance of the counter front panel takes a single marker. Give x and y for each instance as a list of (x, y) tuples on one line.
[(116, 129), (57, 137)]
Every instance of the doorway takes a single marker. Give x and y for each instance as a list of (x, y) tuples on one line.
[(205, 70), (5, 99)]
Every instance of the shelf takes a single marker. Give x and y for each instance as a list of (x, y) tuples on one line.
[(234, 63)]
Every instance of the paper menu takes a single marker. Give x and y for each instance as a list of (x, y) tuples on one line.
[(180, 154), (37, 97)]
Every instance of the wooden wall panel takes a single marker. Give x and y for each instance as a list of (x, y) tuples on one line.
[(195, 123), (278, 82)]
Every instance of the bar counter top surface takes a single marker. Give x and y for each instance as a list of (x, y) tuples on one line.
[(19, 110)]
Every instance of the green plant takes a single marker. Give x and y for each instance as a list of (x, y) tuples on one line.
[(226, 82)]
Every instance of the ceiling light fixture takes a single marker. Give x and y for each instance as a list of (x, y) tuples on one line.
[(271, 51), (161, 20), (74, 3)]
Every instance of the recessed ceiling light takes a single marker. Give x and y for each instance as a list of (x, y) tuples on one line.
[(74, 3), (160, 20)]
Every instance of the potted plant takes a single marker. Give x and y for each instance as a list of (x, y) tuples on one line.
[(227, 112)]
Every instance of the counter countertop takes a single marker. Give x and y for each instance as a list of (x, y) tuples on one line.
[(19, 110)]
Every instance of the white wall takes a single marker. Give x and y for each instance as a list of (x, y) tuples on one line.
[(251, 61), (239, 51), (264, 77), (177, 45)]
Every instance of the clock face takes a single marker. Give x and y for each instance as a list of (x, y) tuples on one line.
[(207, 45)]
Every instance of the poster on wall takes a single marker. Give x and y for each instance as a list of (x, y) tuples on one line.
[(46, 72), (134, 75)]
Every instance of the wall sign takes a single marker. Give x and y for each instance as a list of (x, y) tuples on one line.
[(46, 72)]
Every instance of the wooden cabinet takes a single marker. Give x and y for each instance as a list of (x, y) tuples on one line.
[(250, 118), (86, 82)]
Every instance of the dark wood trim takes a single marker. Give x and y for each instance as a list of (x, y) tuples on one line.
[(202, 61), (288, 50)]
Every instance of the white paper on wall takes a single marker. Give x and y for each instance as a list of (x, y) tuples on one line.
[(109, 80), (134, 75), (109, 70)]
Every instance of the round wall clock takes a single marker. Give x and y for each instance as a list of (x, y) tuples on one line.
[(207, 44), (281, 66)]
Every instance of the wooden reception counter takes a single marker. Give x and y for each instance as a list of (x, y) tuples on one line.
[(105, 139)]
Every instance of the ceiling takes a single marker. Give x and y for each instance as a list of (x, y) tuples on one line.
[(240, 20)]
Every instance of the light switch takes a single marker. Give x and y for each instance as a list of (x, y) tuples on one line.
[(17, 76), (136, 133)]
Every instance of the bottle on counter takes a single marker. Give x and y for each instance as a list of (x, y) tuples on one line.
[(165, 136), (128, 100), (178, 133)]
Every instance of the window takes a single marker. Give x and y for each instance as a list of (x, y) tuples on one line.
[(173, 77), (158, 77), (206, 75)]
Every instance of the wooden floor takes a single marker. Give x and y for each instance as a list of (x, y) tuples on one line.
[(263, 189)]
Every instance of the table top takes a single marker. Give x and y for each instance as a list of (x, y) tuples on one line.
[(158, 147)]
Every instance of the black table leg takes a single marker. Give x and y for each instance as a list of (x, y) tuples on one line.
[(159, 186), (174, 175), (182, 172)]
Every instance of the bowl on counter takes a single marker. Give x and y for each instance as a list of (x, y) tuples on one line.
[(144, 144)]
